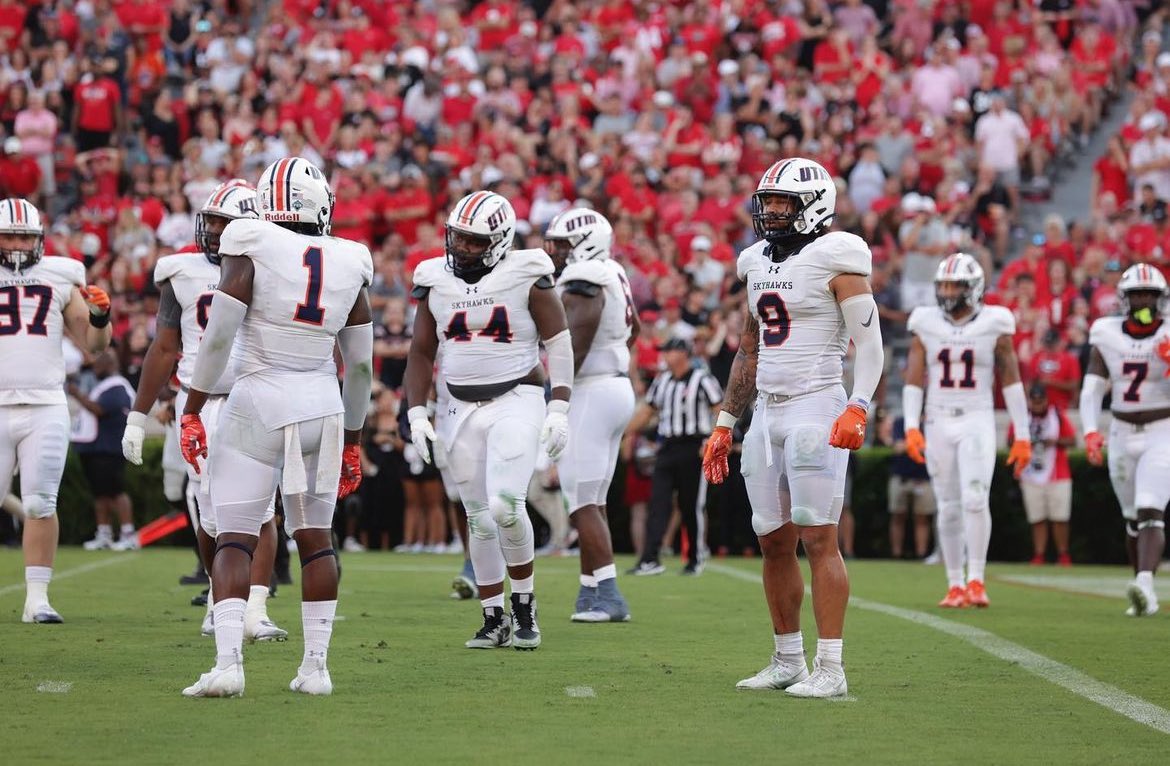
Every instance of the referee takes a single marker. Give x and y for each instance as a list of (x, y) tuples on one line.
[(683, 396)]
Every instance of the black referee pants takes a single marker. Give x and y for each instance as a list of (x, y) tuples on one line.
[(678, 468)]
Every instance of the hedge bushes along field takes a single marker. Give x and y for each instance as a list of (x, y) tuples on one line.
[(1097, 533)]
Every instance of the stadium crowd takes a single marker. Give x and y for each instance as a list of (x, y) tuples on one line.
[(937, 118)]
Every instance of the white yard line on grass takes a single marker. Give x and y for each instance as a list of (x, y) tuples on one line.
[(1080, 684), (451, 569), (1112, 587), (83, 569)]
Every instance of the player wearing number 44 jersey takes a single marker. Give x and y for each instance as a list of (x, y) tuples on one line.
[(490, 306), (808, 294), (960, 346), (288, 293), (187, 283), (1133, 352), (40, 297)]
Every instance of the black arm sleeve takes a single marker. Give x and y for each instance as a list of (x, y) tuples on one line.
[(419, 292), (170, 313), (545, 283), (581, 287)]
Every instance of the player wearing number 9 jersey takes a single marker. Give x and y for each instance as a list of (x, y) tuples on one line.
[(288, 294), (1133, 352), (960, 345), (187, 283), (40, 297), (808, 295)]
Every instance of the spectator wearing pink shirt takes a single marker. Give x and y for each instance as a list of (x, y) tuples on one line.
[(1002, 136), (936, 85), (36, 127), (857, 19)]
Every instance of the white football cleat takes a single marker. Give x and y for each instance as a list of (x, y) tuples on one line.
[(263, 629), (99, 543), (208, 626), (780, 674), (1143, 602), (126, 544), (316, 682), (228, 682), (823, 682), (41, 613)]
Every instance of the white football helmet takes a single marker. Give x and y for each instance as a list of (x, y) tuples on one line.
[(480, 229), (1143, 278), (292, 190), (578, 234), (231, 200), (18, 216), (963, 269), (814, 206)]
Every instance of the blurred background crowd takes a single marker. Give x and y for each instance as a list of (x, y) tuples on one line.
[(941, 120)]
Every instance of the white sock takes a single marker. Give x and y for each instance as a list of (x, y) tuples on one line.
[(977, 525), (829, 652), (127, 532), (493, 601), (951, 543), (589, 581), (105, 532), (524, 584), (258, 600), (317, 620), (789, 644), (210, 598), (229, 632), (1144, 579), (36, 583), (607, 572)]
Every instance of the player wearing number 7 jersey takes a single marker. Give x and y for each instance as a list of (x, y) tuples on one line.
[(1133, 352), (288, 294), (808, 294), (187, 283), (960, 345), (40, 297)]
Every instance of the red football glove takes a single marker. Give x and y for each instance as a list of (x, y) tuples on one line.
[(1019, 456), (192, 440), (351, 470), (849, 429), (915, 445), (715, 456), (1164, 353), (97, 299), (1095, 448)]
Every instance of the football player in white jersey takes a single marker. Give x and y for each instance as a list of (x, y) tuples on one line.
[(40, 298), (490, 307), (808, 294), (603, 325), (288, 293), (187, 283), (1132, 351), (961, 346)]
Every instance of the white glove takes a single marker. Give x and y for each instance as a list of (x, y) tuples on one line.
[(134, 436), (422, 434), (555, 434)]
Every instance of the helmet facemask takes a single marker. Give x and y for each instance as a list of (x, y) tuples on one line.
[(560, 249), (207, 236), (953, 301), (782, 229), (1145, 309), (469, 255), (17, 255)]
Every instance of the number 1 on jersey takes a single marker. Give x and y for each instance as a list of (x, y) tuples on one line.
[(968, 360), (310, 311)]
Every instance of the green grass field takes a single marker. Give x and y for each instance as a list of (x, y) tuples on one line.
[(104, 687)]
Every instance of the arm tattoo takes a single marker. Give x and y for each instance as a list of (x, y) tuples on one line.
[(170, 313), (741, 384)]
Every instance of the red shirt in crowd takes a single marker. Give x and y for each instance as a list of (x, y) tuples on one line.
[(1052, 464), (1055, 366), (96, 103), (20, 176)]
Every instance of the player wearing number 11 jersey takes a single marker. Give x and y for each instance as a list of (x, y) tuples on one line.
[(959, 346), (808, 295)]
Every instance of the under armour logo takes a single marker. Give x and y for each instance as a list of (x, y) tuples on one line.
[(472, 289), (773, 269), (451, 410)]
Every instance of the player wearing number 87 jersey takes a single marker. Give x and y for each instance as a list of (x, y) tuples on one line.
[(808, 295), (40, 296), (1133, 352), (960, 345)]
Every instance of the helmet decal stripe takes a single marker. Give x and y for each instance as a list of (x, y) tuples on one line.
[(18, 210), (288, 173), (487, 198), (277, 182), (467, 212), (779, 166)]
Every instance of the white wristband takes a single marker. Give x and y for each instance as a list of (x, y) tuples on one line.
[(726, 420)]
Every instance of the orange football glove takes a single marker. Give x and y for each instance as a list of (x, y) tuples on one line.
[(351, 470), (849, 429), (192, 440), (916, 445), (715, 456), (1019, 456), (97, 299), (1095, 448), (1164, 353)]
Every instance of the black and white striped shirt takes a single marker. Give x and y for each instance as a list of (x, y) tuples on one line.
[(684, 404)]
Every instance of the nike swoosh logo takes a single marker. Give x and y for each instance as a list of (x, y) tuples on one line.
[(869, 321)]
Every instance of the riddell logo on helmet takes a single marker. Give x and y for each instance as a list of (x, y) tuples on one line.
[(278, 216)]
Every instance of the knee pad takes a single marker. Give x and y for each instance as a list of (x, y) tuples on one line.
[(950, 516), (39, 506), (505, 509), (481, 524), (207, 521), (804, 516), (173, 485), (763, 525)]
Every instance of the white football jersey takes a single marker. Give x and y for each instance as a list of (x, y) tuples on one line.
[(302, 292), (610, 353), (803, 338), (32, 325), (1136, 372), (960, 358), (194, 279), (486, 332)]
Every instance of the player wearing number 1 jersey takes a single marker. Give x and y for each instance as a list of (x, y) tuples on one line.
[(187, 283), (1133, 352), (40, 297), (288, 294), (808, 295), (956, 352)]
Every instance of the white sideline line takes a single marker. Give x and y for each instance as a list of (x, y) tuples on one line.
[(1080, 684), (83, 569), (580, 692)]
